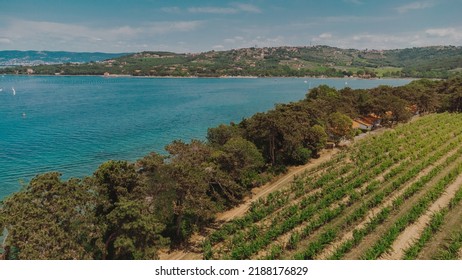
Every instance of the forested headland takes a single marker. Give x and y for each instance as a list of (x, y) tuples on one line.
[(314, 61), (130, 210)]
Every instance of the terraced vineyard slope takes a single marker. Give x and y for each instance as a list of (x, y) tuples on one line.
[(392, 195)]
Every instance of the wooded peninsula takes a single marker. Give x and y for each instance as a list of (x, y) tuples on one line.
[(313, 61)]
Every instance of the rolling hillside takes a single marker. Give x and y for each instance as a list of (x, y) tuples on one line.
[(393, 195), (428, 62)]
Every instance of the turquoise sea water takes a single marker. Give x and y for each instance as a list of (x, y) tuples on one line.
[(73, 124)]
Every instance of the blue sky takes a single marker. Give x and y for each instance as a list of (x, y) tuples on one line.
[(193, 26)]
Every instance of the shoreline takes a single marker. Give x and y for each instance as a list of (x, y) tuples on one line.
[(301, 89), (221, 77)]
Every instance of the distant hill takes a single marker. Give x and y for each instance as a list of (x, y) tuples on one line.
[(425, 62), (31, 58)]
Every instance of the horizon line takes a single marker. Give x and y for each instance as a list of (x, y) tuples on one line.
[(242, 48)]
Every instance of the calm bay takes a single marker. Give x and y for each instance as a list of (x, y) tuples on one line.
[(73, 124)]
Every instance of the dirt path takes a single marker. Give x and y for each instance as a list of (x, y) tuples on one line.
[(408, 236), (176, 255), (181, 255), (241, 209), (263, 191)]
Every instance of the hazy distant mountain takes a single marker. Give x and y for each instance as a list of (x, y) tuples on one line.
[(30, 58)]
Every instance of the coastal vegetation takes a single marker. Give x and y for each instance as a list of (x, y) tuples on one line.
[(130, 210), (424, 62)]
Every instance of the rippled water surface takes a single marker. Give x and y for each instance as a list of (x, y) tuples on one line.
[(73, 124)]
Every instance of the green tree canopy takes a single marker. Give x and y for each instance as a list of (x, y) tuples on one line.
[(241, 159), (130, 230), (51, 219), (188, 165), (219, 135), (339, 127)]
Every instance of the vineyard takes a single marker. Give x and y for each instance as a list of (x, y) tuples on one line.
[(395, 194)]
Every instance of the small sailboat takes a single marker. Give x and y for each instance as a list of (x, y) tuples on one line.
[(14, 91)]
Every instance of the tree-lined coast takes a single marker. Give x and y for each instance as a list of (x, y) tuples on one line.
[(313, 61), (130, 210)]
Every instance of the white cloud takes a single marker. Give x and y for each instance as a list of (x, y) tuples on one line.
[(212, 10), (268, 41), (248, 8), (323, 39), (444, 32), (260, 41), (218, 47), (356, 2), (234, 9), (178, 26), (325, 36), (415, 6), (5, 41), (170, 9), (24, 28), (381, 41), (42, 34), (335, 21), (234, 40), (355, 19)]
